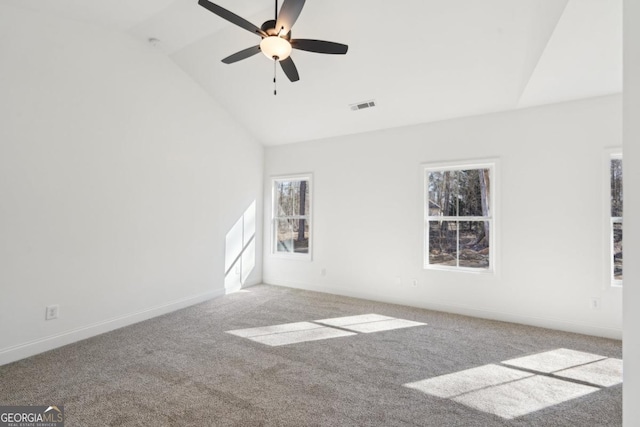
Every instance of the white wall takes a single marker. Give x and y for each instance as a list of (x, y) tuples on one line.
[(119, 179), (368, 225), (631, 342)]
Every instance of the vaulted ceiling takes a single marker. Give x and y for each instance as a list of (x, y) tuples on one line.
[(420, 60)]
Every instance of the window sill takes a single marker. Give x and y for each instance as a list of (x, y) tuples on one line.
[(292, 256), (478, 271)]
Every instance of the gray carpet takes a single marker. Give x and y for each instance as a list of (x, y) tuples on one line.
[(183, 369)]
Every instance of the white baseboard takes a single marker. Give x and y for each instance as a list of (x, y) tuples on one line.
[(23, 350), (549, 323)]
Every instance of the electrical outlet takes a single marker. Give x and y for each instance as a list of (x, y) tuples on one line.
[(323, 272), (52, 312), (398, 281), (414, 282), (595, 303)]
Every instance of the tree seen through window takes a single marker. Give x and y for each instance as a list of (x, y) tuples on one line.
[(291, 216), (616, 218), (459, 218)]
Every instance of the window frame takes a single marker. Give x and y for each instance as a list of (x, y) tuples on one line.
[(308, 177), (611, 220), (492, 164)]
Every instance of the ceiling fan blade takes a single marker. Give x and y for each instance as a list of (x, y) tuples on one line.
[(290, 69), (243, 54), (319, 46), (288, 15), (231, 17)]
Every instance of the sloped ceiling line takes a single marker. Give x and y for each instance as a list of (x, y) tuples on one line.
[(583, 57), (426, 61), (546, 29)]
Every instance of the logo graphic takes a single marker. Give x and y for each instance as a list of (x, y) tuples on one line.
[(31, 416)]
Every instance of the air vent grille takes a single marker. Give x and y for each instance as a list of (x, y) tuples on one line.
[(362, 105)]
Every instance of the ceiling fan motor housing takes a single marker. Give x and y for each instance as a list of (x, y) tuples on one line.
[(269, 27)]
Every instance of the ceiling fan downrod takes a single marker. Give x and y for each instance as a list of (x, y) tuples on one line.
[(275, 58)]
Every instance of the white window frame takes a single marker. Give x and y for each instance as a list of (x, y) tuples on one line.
[(274, 217), (492, 165), (612, 155)]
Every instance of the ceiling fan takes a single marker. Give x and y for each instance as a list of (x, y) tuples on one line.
[(276, 41)]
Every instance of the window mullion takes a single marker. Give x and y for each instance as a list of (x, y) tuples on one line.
[(457, 243)]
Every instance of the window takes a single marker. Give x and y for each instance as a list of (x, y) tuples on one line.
[(291, 216), (459, 214), (615, 172)]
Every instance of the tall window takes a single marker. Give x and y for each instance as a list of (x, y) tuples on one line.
[(459, 217), (292, 215), (616, 219)]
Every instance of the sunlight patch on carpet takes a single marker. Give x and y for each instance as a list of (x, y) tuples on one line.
[(604, 373), (554, 360), (457, 383), (524, 396), (295, 337), (292, 333), (514, 390), (368, 323), (289, 333), (274, 329), (354, 320)]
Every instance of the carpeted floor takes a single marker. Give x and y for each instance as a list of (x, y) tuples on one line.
[(184, 369)]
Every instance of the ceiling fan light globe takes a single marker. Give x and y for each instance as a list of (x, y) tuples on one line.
[(275, 47)]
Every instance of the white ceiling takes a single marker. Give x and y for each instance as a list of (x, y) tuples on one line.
[(421, 60)]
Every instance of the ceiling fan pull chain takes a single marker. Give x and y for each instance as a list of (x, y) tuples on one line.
[(275, 87)]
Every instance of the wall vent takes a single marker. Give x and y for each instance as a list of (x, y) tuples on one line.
[(362, 105)]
